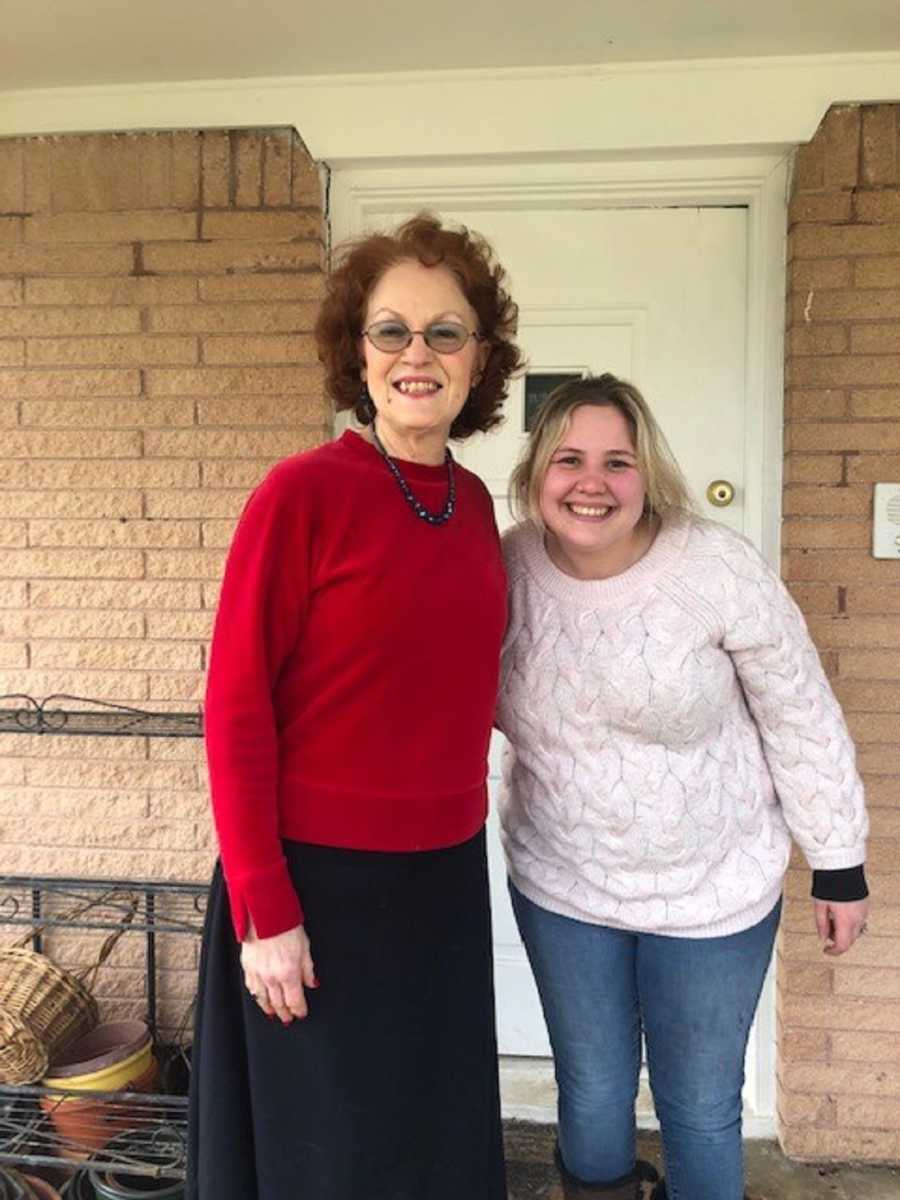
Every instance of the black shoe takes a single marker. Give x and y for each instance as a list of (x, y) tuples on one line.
[(626, 1187)]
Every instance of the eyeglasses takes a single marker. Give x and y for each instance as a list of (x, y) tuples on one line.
[(444, 337)]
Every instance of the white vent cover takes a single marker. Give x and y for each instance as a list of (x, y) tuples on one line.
[(886, 523)]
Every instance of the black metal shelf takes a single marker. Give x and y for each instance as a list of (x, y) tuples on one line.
[(20, 713), (158, 1124)]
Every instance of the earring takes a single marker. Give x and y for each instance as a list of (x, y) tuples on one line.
[(365, 409)]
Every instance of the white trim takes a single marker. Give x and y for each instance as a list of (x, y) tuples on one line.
[(615, 108), (360, 197)]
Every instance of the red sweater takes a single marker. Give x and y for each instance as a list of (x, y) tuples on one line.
[(354, 670)]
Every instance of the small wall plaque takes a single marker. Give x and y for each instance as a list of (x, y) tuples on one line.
[(538, 387)]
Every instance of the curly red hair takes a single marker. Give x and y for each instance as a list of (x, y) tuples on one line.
[(482, 279)]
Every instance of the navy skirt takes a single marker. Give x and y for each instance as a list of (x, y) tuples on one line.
[(388, 1090)]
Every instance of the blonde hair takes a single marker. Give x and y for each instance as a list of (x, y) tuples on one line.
[(665, 486)]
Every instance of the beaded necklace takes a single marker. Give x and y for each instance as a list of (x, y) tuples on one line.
[(439, 518)]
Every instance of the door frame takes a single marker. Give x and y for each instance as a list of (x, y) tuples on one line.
[(757, 181)]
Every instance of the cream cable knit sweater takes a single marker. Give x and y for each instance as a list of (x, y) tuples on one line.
[(670, 728)]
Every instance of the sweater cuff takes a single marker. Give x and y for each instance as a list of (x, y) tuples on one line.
[(267, 898), (846, 883)]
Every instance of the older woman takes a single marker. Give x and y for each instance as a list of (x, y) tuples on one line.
[(345, 1043)]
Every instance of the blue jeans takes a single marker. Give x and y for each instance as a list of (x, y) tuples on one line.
[(693, 999)]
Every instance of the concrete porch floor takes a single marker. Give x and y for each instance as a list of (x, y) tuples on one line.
[(770, 1176)]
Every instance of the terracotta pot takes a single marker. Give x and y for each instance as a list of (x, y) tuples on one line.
[(41, 1188), (106, 1045), (85, 1125)]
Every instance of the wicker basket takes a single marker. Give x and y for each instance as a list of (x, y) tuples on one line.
[(42, 1005)]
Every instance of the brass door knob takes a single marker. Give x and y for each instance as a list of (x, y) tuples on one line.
[(720, 493)]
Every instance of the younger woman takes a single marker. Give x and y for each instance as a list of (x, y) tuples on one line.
[(671, 729)]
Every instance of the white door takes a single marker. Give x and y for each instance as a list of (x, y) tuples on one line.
[(658, 296)]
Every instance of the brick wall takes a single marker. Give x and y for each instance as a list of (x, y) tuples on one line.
[(156, 297), (839, 1020)]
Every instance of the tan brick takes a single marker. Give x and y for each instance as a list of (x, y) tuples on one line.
[(871, 728), (879, 144), (797, 1109), (237, 474), (249, 380), (876, 338), (104, 624), (12, 774), (859, 599), (246, 150), (108, 864), (135, 533), (13, 654), (137, 350), (12, 533), (831, 1145), (872, 982), (129, 227), (12, 176), (11, 291), (820, 533), (857, 632), (99, 749), (301, 285), (835, 241), (185, 564), (134, 774), (51, 322), (184, 688), (806, 979), (211, 594), (287, 226), (23, 384), (820, 273), (13, 594), (863, 1047), (13, 474), (232, 318), (882, 207), (11, 229), (827, 501), (97, 172), (847, 566), (837, 370), (857, 305), (84, 805), (276, 168), (12, 354), (840, 133), (156, 171), (215, 155), (66, 564), (865, 468), (196, 626), (804, 1045), (9, 410), (817, 468), (107, 414), (119, 686), (200, 502), (174, 835), (846, 1078), (37, 161), (879, 760), (81, 292), (136, 594), (876, 403), (186, 169), (869, 951), (13, 624), (248, 348), (846, 435), (217, 533), (869, 696), (226, 443), (815, 404), (80, 444), (195, 257), (68, 260), (816, 597), (195, 807), (306, 185), (861, 1112), (138, 473), (880, 272)]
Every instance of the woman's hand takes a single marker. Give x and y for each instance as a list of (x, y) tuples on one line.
[(276, 970), (839, 923)]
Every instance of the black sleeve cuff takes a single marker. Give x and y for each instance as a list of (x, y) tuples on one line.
[(848, 883)]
